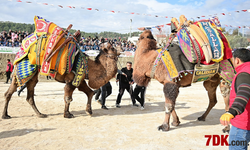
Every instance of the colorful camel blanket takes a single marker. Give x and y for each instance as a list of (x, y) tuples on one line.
[(80, 68), (187, 45), (168, 63), (27, 43), (175, 61), (36, 47), (204, 72), (181, 62), (226, 71), (215, 42), (24, 71)]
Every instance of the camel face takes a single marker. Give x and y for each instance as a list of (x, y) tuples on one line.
[(146, 42), (110, 51), (146, 34)]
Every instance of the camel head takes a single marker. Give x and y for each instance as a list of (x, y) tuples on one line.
[(109, 51), (146, 41)]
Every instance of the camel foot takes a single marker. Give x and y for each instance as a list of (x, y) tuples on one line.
[(175, 123), (201, 119), (42, 116), (89, 111), (6, 117), (68, 115), (226, 129), (163, 127)]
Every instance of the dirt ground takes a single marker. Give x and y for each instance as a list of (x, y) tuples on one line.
[(123, 128)]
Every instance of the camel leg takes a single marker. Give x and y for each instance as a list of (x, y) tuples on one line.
[(176, 120), (225, 91), (210, 86), (171, 91), (85, 88), (8, 94), (30, 95), (68, 91)]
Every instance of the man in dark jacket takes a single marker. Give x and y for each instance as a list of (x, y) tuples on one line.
[(125, 82)]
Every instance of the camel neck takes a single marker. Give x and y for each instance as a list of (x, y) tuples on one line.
[(110, 67)]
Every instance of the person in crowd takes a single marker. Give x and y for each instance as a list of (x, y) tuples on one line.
[(9, 69), (125, 83), (1, 40), (238, 114), (96, 46)]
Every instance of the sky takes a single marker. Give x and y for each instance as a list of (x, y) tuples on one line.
[(105, 20)]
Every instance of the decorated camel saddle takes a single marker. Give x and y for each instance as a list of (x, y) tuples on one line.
[(49, 50), (202, 50)]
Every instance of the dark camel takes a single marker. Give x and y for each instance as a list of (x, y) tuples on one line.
[(101, 70), (145, 56)]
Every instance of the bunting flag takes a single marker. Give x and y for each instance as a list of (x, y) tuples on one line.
[(133, 13), (150, 15)]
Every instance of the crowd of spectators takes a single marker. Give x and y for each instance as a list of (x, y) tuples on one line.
[(94, 43), (14, 39)]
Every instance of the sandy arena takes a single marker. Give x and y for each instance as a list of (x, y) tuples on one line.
[(123, 128)]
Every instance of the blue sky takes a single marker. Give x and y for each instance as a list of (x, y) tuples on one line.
[(97, 21)]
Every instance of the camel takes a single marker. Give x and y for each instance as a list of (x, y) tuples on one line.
[(144, 58), (101, 70)]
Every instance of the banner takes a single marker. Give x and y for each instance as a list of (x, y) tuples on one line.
[(11, 50)]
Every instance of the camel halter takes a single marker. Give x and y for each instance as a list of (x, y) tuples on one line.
[(112, 56)]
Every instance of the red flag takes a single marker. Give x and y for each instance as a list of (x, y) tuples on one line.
[(89, 8), (112, 11), (169, 24), (69, 6), (239, 26), (60, 6), (166, 16), (226, 25), (132, 13), (19, 1), (244, 10), (223, 13), (203, 16), (45, 3)]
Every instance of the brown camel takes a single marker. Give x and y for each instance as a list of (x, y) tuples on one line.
[(145, 56), (101, 70)]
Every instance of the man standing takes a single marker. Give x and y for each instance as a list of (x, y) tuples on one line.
[(125, 81), (9, 69), (140, 89), (106, 90), (239, 111)]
